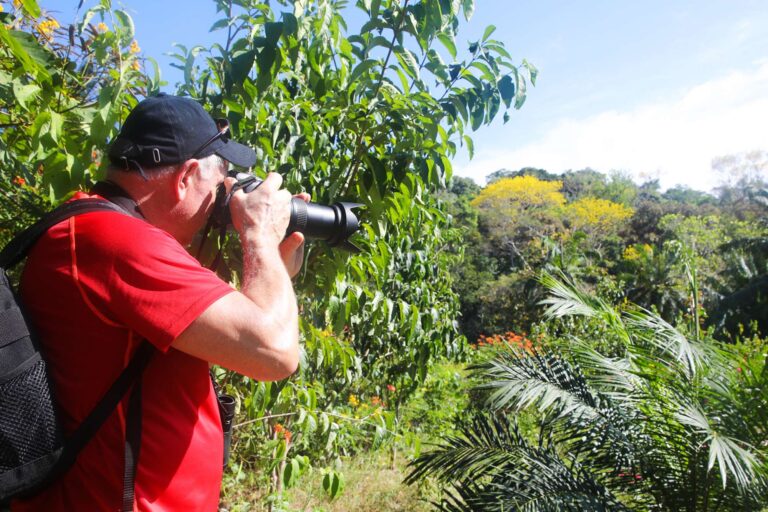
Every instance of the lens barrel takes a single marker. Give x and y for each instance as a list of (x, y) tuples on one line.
[(333, 224)]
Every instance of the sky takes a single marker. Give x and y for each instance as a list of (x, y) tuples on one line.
[(655, 89)]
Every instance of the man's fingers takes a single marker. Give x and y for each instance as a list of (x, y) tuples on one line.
[(274, 180), (229, 182), (304, 197), (292, 242)]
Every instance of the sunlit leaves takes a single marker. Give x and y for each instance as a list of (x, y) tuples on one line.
[(69, 87), (662, 425)]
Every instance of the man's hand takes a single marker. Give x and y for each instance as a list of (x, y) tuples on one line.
[(263, 219), (261, 216)]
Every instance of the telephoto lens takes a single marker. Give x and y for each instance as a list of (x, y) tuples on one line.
[(333, 224)]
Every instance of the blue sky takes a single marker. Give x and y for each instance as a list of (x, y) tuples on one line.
[(656, 88)]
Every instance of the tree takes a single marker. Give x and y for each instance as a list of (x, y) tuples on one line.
[(516, 213), (669, 423), (63, 91), (354, 115), (599, 218)]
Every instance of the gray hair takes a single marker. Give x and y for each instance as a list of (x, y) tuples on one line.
[(208, 164)]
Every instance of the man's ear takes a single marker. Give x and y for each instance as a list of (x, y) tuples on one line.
[(184, 178)]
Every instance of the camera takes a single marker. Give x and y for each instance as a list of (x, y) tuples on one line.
[(333, 224)]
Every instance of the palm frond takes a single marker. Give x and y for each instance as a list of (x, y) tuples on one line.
[(519, 380), (669, 341), (732, 456), (612, 376), (529, 479), (568, 299), (581, 419), (485, 443)]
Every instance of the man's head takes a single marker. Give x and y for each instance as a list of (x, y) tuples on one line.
[(165, 130), (170, 155)]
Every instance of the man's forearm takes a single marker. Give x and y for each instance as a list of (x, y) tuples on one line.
[(267, 283)]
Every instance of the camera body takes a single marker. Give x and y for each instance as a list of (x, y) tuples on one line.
[(333, 224)]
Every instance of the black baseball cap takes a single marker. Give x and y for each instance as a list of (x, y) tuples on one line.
[(165, 130)]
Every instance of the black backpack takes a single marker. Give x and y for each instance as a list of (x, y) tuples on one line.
[(33, 451)]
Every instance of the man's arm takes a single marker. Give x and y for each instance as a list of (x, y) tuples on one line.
[(254, 332)]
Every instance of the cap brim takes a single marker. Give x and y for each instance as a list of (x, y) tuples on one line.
[(237, 154)]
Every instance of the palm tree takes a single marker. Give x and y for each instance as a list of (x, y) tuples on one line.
[(671, 423)]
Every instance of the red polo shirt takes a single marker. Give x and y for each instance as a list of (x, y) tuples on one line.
[(93, 286)]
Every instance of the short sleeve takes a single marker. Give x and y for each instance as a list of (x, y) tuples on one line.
[(140, 277)]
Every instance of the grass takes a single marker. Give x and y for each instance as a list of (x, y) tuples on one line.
[(371, 484)]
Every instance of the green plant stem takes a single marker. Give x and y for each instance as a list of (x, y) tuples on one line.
[(360, 148)]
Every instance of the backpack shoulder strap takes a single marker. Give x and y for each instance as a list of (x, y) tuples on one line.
[(17, 248)]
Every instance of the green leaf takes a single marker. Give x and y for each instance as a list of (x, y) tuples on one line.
[(361, 68), (273, 31), (490, 29), (408, 61), (290, 24), (31, 8), (375, 5), (41, 126), (332, 484), (265, 59), (478, 115), (449, 44), (34, 58), (520, 92), (507, 89), (126, 30), (291, 472), (88, 17), (219, 24), (242, 65), (57, 122), (532, 71), (23, 93), (469, 8), (470, 146)]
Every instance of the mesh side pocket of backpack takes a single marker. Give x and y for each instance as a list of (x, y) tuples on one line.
[(28, 427)]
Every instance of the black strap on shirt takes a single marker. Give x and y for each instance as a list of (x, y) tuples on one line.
[(12, 254), (133, 420)]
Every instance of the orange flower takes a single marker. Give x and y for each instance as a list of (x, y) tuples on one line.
[(135, 65), (287, 436), (391, 388), (278, 428), (19, 181), (134, 47), (102, 27)]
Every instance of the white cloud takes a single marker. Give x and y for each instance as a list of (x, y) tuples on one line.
[(674, 141)]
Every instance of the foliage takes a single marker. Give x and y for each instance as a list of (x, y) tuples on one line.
[(508, 195), (598, 217), (63, 90), (662, 425), (352, 113), (743, 311)]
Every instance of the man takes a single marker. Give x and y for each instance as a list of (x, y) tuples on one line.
[(97, 284)]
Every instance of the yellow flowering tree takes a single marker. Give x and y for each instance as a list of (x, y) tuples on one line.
[(517, 213), (599, 218)]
